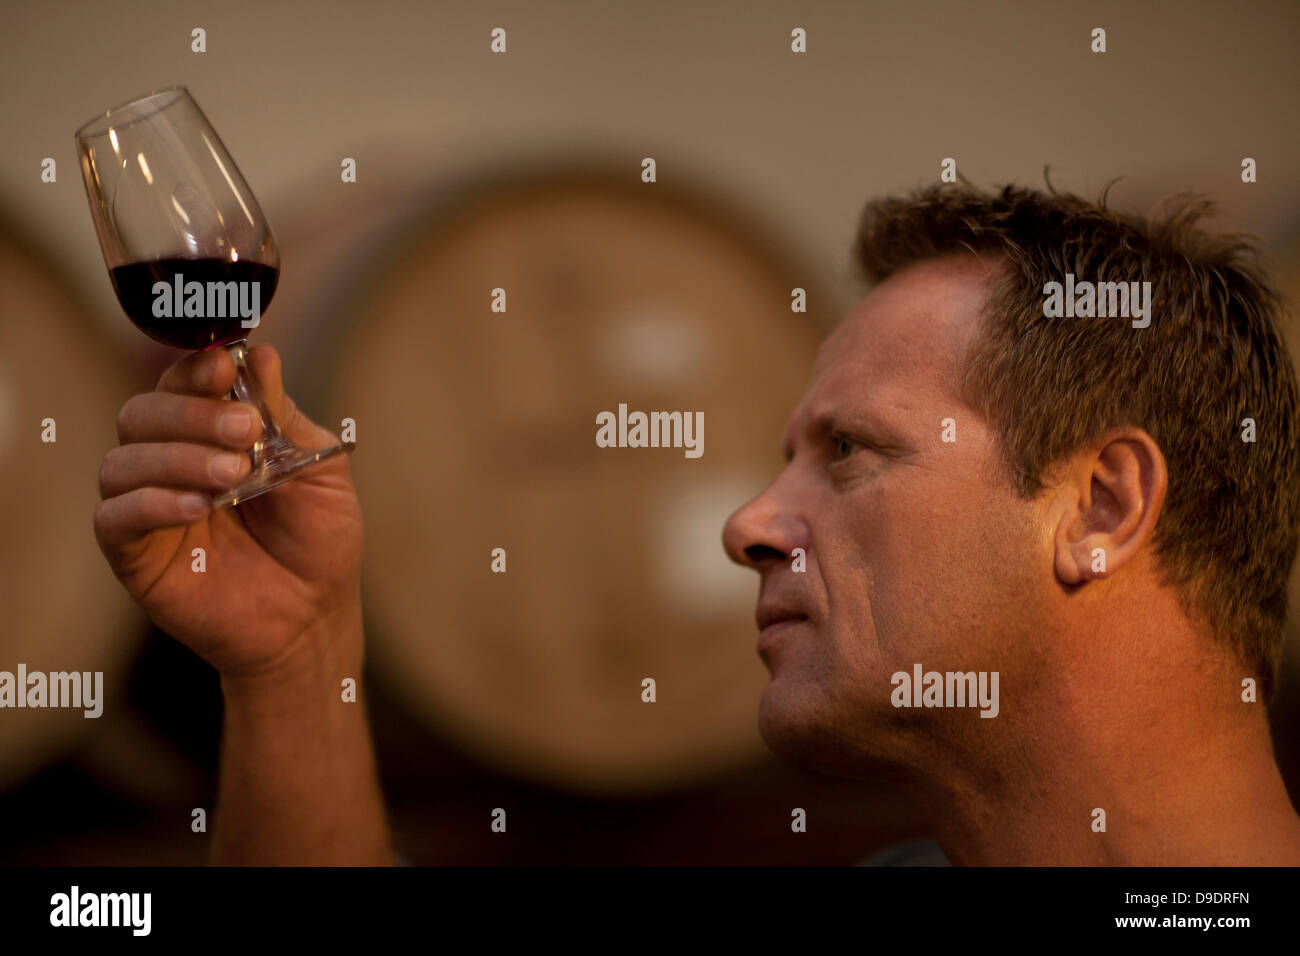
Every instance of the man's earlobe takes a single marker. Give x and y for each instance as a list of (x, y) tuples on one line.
[(1109, 502)]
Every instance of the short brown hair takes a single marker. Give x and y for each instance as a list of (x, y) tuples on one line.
[(1211, 357)]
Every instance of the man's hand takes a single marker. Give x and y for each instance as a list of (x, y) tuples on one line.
[(277, 612), (276, 564)]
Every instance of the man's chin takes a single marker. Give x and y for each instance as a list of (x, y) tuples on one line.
[(798, 727), (793, 729)]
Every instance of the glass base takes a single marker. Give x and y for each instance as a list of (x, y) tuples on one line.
[(275, 471)]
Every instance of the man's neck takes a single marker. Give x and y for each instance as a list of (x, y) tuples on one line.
[(1182, 770)]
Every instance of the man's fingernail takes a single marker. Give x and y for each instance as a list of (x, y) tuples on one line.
[(234, 424), (193, 503), (224, 466)]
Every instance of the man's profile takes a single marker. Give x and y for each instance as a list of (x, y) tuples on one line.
[(1093, 529), (1072, 511)]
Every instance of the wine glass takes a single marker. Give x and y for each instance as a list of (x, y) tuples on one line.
[(191, 257)]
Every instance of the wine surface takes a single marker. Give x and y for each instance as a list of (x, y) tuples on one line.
[(162, 314)]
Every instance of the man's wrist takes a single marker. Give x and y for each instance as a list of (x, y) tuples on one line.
[(318, 659)]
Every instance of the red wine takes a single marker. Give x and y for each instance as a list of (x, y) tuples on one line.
[(161, 315)]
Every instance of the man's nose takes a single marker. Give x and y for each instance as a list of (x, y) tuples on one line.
[(760, 533)]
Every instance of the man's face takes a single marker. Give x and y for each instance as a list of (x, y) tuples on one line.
[(917, 549)]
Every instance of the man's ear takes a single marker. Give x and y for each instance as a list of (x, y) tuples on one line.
[(1105, 508)]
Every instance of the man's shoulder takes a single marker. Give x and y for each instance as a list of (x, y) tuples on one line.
[(912, 853)]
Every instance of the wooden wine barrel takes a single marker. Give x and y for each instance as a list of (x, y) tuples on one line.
[(62, 608), (476, 431)]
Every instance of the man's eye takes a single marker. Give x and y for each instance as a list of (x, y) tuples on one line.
[(843, 447)]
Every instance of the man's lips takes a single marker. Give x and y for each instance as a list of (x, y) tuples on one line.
[(769, 614), (774, 620)]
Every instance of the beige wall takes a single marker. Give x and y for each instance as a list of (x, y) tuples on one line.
[(710, 89)]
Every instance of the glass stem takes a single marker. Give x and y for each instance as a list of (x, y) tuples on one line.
[(272, 443)]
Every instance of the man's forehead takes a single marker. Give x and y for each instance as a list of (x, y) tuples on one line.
[(903, 346)]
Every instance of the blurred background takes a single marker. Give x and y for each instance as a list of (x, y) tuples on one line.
[(522, 170)]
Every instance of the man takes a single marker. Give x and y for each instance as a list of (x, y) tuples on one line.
[(1062, 509), (1094, 530)]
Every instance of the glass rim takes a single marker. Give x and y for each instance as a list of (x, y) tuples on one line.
[(102, 120)]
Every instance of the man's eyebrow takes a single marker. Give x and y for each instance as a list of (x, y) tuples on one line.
[(865, 422), (827, 421)]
